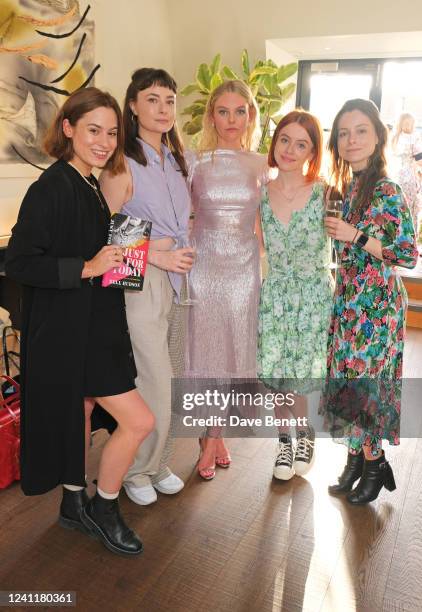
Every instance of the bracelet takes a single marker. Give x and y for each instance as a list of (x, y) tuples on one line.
[(362, 240), (354, 237)]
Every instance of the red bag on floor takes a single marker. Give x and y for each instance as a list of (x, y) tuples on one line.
[(9, 432)]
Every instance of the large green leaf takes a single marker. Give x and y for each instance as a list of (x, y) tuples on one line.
[(215, 64), (256, 72), (203, 77), (228, 72), (272, 85), (191, 88), (269, 98), (194, 109), (275, 108), (287, 91), (284, 72), (245, 62), (192, 127), (216, 80)]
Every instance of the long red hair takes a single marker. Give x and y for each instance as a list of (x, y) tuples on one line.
[(313, 127)]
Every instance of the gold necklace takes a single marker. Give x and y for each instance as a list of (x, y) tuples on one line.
[(292, 197), (92, 185)]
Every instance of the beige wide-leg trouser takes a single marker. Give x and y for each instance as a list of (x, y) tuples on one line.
[(154, 324)]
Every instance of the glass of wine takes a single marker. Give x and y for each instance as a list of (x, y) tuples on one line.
[(183, 243), (334, 208)]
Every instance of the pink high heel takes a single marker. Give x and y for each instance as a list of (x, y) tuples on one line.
[(207, 473), (223, 461)]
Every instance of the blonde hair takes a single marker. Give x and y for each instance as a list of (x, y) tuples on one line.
[(399, 127), (209, 136)]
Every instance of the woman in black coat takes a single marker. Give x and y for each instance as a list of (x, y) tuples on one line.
[(75, 345)]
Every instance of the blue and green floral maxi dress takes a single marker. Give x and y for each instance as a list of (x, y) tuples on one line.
[(296, 297), (362, 398)]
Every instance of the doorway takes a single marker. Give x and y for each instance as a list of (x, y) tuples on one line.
[(393, 84)]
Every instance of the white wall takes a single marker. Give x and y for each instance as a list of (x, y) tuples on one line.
[(202, 29), (179, 34), (128, 34)]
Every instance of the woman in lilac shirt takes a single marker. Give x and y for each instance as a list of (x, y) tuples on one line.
[(153, 187)]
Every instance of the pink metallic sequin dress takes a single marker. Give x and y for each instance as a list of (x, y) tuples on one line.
[(225, 279)]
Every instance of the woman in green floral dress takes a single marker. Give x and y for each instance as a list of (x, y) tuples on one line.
[(365, 351), (296, 296)]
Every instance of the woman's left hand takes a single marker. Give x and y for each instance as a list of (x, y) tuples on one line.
[(339, 229)]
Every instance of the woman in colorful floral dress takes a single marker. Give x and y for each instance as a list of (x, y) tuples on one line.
[(296, 297), (365, 350)]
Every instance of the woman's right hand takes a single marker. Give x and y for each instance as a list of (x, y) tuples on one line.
[(106, 259), (179, 260)]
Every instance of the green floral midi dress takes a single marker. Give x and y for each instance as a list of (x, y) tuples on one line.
[(296, 297), (361, 402)]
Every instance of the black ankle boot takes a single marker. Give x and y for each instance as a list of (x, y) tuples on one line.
[(102, 517), (71, 508), (377, 473), (352, 471)]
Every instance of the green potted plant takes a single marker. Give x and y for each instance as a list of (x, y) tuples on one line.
[(266, 80)]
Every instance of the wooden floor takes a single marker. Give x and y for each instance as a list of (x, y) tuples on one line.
[(240, 543)]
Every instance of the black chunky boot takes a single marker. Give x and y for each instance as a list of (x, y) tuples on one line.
[(352, 472), (377, 473), (103, 519), (70, 509)]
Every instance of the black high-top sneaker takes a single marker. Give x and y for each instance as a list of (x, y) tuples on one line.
[(283, 467), (305, 451)]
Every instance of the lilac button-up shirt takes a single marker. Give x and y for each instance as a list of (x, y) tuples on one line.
[(161, 195)]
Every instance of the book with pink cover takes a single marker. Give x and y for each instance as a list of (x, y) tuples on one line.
[(132, 235)]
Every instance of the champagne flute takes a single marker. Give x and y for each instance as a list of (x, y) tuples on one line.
[(183, 243), (334, 208)]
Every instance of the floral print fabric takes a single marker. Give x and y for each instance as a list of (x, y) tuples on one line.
[(365, 344), (296, 297)]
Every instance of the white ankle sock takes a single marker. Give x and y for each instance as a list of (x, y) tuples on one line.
[(73, 488), (105, 495)]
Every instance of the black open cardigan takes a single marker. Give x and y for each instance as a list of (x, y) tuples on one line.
[(60, 225)]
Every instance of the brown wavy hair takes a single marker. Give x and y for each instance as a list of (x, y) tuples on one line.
[(142, 79), (313, 128), (377, 163), (78, 104)]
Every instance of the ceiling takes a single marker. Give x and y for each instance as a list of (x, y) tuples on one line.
[(391, 44)]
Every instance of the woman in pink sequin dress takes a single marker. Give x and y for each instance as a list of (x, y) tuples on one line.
[(226, 178)]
